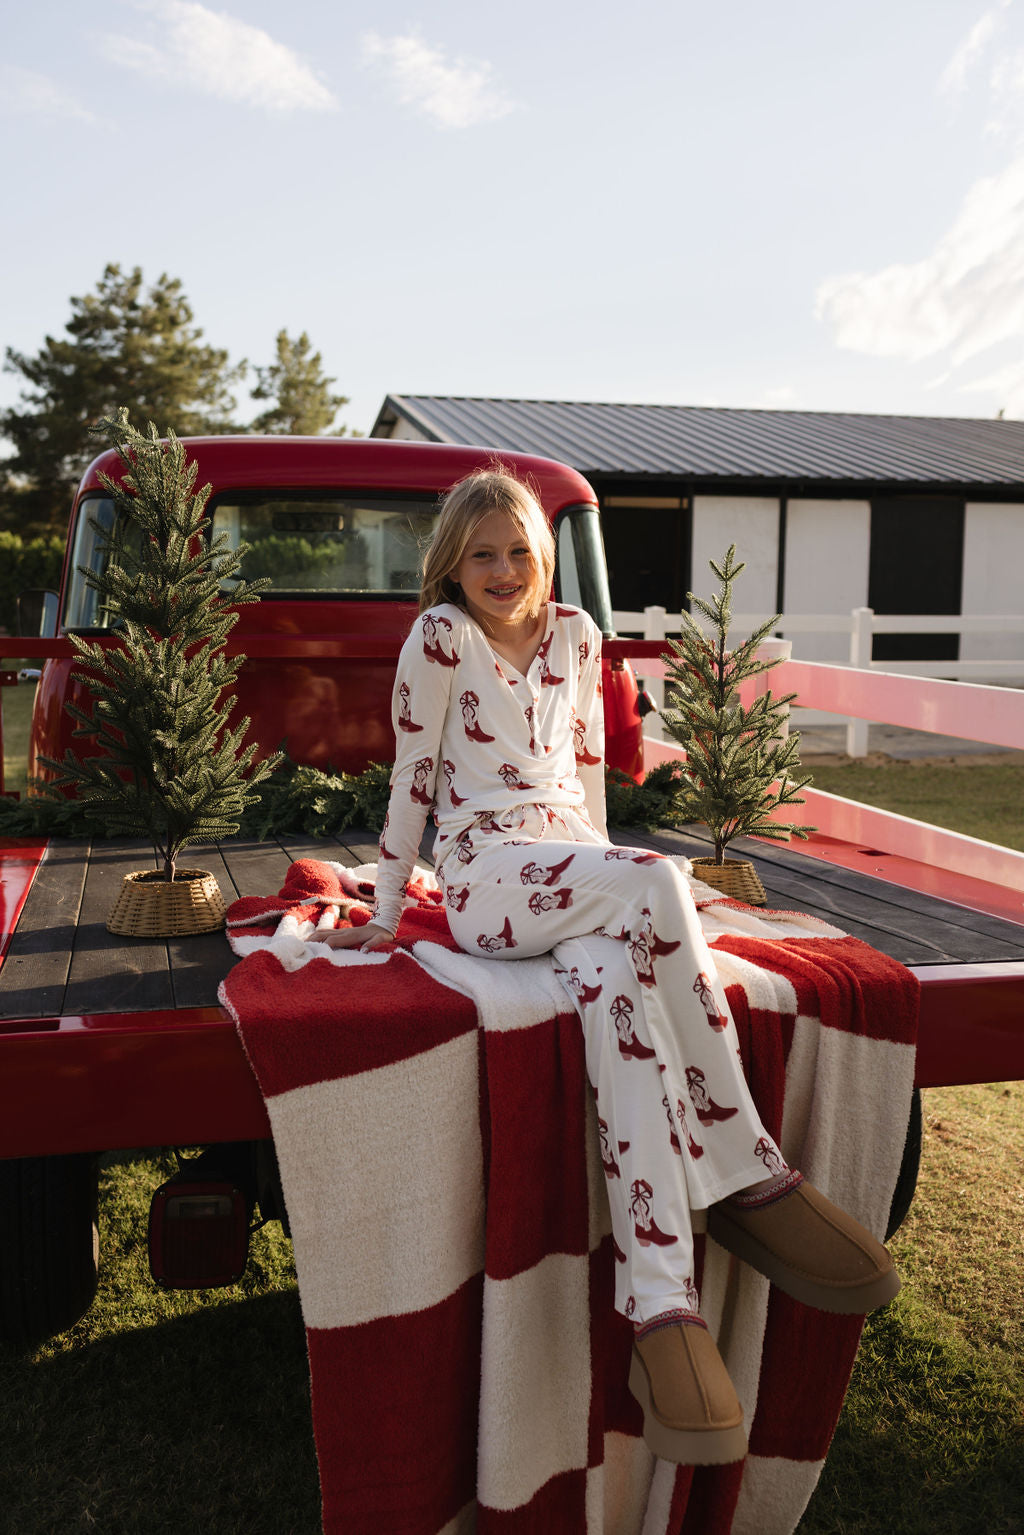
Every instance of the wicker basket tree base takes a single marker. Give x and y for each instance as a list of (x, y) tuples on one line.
[(736, 877), (149, 906)]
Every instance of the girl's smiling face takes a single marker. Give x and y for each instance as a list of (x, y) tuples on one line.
[(498, 573)]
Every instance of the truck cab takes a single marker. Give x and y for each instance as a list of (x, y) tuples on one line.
[(338, 527)]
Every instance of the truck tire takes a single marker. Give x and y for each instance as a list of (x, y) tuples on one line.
[(906, 1183), (49, 1245)]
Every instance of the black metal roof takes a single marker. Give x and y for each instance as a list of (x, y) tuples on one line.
[(707, 444)]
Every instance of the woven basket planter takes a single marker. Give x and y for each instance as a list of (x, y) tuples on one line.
[(149, 906), (736, 877)]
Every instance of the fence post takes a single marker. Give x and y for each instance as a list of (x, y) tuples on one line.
[(655, 627), (861, 634)]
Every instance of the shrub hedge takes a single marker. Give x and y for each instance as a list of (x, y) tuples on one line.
[(24, 564)]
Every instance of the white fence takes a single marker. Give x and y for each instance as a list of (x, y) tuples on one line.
[(655, 623)]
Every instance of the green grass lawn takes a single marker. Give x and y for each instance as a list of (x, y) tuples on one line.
[(931, 1441), (16, 703)]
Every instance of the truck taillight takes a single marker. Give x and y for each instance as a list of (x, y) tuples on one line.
[(198, 1234)]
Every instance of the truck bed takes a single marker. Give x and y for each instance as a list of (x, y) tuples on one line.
[(112, 1042)]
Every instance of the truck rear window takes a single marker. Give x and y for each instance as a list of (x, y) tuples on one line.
[(309, 545), (337, 546)]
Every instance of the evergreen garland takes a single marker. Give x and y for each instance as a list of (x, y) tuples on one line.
[(170, 768), (660, 800), (739, 767), (321, 803)]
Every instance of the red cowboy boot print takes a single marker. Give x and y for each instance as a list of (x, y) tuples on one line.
[(707, 1110), (549, 900), (528, 714), (608, 1162), (544, 874), (672, 1136), (547, 676), (694, 1147), (630, 855), (645, 1227), (509, 775), (420, 775), (579, 987), (502, 940), (630, 1047), (449, 773), (456, 897), (584, 653), (470, 703), (702, 986), (579, 740), (405, 719), (437, 640), (381, 848), (769, 1154), (692, 1294), (645, 948)]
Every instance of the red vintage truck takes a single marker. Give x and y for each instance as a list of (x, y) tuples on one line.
[(108, 1044), (339, 528)]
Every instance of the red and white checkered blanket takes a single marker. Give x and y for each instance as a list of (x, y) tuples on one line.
[(441, 1168)]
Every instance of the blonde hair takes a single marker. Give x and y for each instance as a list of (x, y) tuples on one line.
[(463, 509)]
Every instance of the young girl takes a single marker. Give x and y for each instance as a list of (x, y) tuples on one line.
[(499, 730)]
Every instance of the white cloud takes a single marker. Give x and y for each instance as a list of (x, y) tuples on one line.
[(961, 300), (780, 397), (953, 80), (458, 94), (221, 56), (26, 93), (964, 299)]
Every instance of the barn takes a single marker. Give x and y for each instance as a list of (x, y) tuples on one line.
[(831, 511)]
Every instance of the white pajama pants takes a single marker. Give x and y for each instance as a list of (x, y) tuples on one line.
[(679, 1130)]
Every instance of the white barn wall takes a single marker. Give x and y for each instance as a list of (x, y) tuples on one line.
[(752, 524), (992, 581), (404, 431), (827, 551)]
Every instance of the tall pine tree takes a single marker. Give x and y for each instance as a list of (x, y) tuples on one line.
[(303, 404), (170, 768), (740, 764), (123, 345)]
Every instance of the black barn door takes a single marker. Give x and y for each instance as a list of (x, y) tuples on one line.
[(647, 541), (916, 566)]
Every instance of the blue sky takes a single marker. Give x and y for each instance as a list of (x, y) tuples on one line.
[(790, 205)]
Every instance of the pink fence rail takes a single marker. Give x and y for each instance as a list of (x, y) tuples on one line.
[(967, 710)]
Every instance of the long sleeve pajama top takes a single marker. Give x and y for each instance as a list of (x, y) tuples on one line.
[(474, 737)]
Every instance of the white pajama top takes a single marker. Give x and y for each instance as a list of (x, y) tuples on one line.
[(475, 738)]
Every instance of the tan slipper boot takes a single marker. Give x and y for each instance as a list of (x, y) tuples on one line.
[(807, 1246), (692, 1415)]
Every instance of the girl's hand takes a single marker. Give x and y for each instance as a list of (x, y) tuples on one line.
[(369, 936)]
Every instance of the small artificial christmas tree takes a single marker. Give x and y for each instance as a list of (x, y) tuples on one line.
[(739, 762), (170, 768)]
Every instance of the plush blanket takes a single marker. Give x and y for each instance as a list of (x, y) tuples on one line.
[(441, 1167)]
